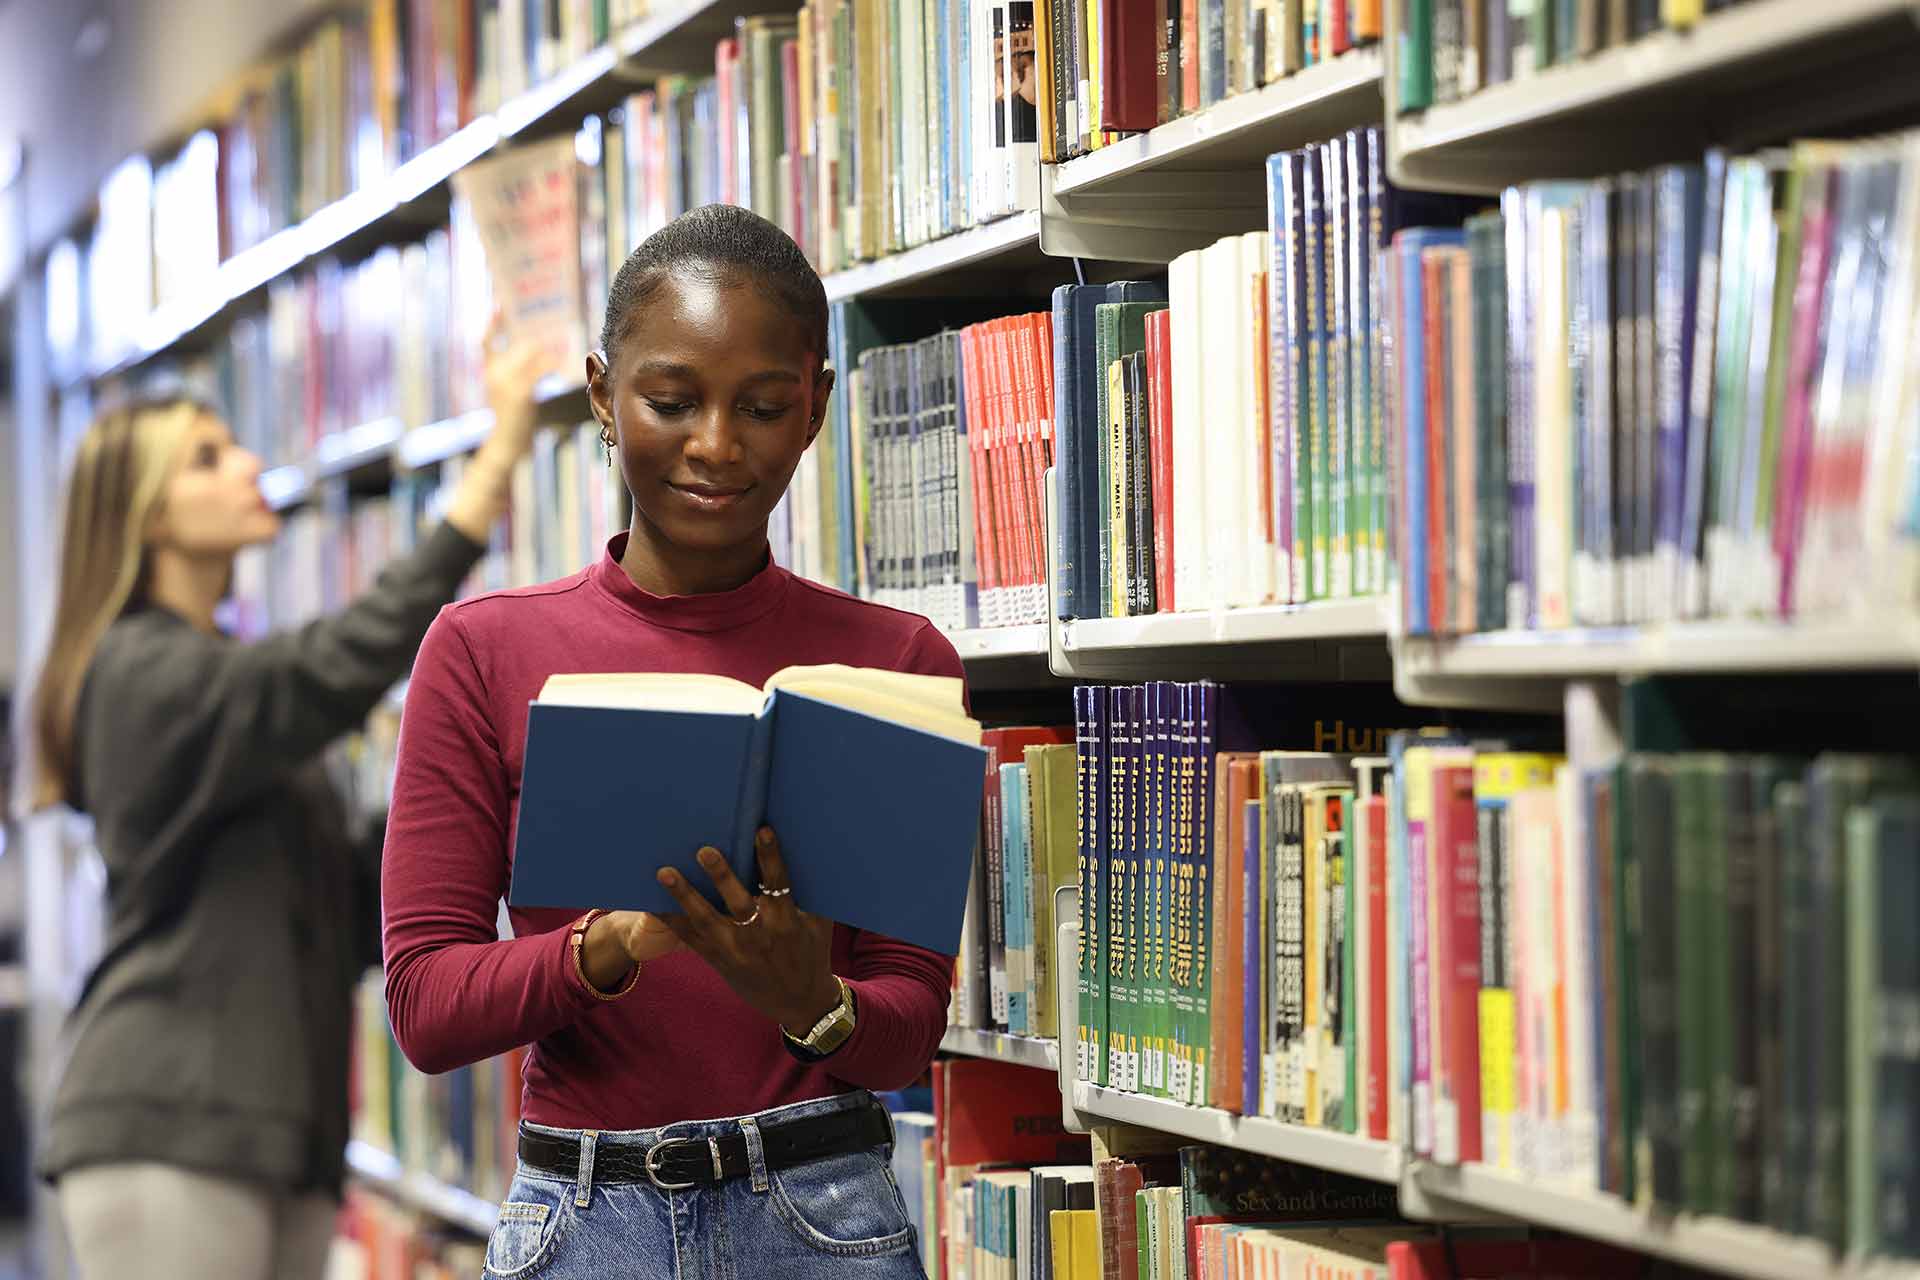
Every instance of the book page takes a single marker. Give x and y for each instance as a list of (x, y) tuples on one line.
[(930, 703), (653, 691)]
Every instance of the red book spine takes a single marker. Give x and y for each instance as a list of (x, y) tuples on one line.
[(1457, 884), (1339, 28), (1128, 41), (986, 562), (1019, 449), (1031, 330), (1373, 813), (1816, 244), (1005, 517), (1436, 533), (1160, 452)]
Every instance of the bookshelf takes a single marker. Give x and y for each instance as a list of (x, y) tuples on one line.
[(1337, 1152), (986, 644), (1714, 1244), (1012, 243), (378, 1169), (1023, 1051), (1755, 69), (1203, 150), (378, 211), (1749, 71)]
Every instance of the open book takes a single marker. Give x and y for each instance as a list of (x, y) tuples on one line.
[(870, 778)]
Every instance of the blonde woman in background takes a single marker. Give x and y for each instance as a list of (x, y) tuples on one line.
[(199, 1123)]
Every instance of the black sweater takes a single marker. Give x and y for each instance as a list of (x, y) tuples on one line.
[(214, 1033)]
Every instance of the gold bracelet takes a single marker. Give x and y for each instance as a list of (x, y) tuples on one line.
[(578, 943)]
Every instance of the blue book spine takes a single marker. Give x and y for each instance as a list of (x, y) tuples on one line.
[(1066, 457), (1280, 373)]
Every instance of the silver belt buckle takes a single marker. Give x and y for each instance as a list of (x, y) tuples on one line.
[(653, 1169)]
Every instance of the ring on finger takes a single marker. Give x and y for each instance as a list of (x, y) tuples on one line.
[(776, 893), (750, 919)]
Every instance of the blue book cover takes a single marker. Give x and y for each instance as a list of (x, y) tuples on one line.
[(1078, 433), (876, 820)]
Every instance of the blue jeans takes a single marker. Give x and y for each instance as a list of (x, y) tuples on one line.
[(840, 1218)]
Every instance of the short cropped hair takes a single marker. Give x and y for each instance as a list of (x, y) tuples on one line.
[(728, 242)]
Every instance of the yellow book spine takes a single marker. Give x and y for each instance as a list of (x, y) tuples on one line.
[(1682, 13)]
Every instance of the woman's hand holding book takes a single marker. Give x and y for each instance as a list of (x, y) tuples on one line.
[(775, 956)]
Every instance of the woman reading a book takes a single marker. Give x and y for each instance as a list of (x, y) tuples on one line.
[(207, 1073), (696, 1095)]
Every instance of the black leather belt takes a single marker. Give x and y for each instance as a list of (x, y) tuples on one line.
[(677, 1164)]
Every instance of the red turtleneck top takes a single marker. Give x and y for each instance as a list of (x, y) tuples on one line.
[(682, 1046)]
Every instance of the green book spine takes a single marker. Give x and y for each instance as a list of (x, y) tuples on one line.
[(1114, 553), (1786, 272), (1143, 1226), (1416, 54), (1545, 38), (1718, 1008), (1106, 343), (1626, 978), (1863, 993), (1790, 1154), (1691, 942)]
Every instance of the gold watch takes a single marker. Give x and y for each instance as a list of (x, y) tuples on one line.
[(832, 1030)]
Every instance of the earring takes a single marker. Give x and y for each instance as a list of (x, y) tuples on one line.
[(606, 445)]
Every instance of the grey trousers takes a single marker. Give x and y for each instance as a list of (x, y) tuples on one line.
[(168, 1223)]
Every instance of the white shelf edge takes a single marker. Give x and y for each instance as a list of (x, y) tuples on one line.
[(1345, 1153), (1715, 1244), (1691, 647), (355, 447), (438, 441), (285, 487), (1026, 641), (382, 1172), (536, 104), (1660, 59), (1359, 618), (1196, 133), (1022, 1051), (945, 254)]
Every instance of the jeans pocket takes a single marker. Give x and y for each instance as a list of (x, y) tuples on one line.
[(532, 1220), (844, 1205)]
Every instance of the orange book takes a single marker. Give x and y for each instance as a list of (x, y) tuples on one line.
[(985, 553), (1367, 23), (1433, 266), (1236, 781)]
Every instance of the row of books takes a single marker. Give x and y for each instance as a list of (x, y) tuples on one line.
[(376, 1239), (1665, 977), (396, 335), (1119, 67), (459, 1128), (1451, 49), (1672, 395), (1232, 453), (860, 129), (951, 443)]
